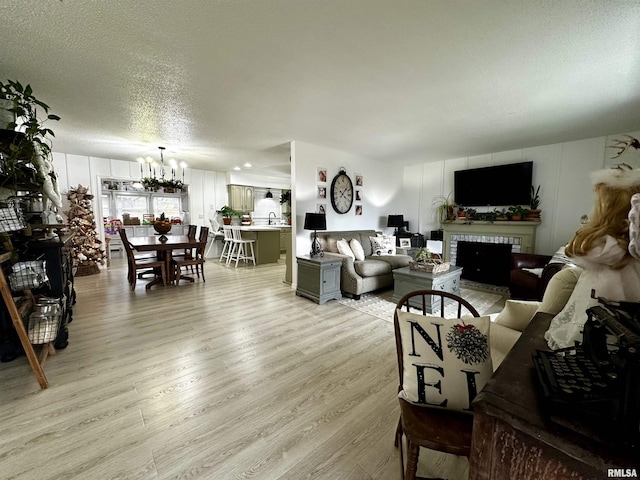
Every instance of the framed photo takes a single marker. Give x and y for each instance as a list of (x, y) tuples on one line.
[(405, 242), (358, 209), (321, 208), (359, 180), (358, 196), (322, 192), (322, 175)]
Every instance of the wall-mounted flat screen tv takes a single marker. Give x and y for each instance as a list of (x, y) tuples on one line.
[(499, 185)]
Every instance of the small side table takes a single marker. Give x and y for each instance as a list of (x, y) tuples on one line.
[(319, 278)]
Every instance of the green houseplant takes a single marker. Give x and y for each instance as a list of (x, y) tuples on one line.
[(534, 203), (227, 213), (25, 142), (31, 136), (517, 212), (445, 208)]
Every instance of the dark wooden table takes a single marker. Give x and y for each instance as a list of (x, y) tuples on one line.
[(515, 438), (154, 243)]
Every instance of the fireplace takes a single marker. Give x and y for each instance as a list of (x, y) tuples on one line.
[(484, 262), (505, 238)]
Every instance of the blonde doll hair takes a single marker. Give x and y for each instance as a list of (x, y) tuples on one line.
[(614, 188)]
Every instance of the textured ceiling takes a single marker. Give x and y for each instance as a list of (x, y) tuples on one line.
[(221, 83)]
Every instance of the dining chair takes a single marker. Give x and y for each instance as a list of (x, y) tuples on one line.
[(228, 243), (188, 252), (143, 264), (239, 247), (438, 429), (196, 260)]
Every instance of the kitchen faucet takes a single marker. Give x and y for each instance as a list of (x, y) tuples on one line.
[(274, 216)]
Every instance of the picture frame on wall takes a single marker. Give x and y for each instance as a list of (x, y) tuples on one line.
[(405, 242), (358, 196), (358, 209), (322, 175), (359, 180), (322, 192), (321, 208)]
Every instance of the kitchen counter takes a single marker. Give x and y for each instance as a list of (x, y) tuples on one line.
[(256, 228), (267, 242)]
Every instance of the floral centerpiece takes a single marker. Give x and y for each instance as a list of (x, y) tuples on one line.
[(429, 262)]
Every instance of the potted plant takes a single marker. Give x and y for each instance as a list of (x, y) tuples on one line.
[(445, 208), (462, 213), (500, 215), (534, 203), (471, 212), (285, 198), (22, 143), (517, 212), (170, 186), (227, 213)]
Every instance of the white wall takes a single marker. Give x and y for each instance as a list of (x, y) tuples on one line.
[(562, 171), (382, 191)]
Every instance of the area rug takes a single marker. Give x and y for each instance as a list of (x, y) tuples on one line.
[(379, 304)]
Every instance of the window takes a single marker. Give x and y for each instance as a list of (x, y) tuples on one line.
[(106, 206), (134, 205), (170, 206)]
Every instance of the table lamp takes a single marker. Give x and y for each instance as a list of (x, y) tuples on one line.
[(395, 221), (315, 222)]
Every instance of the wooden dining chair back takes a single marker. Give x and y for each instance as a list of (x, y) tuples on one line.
[(433, 428), (136, 264), (187, 253), (197, 260)]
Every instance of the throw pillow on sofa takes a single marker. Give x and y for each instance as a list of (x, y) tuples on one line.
[(517, 314), (383, 245), (344, 249), (357, 249), (446, 361)]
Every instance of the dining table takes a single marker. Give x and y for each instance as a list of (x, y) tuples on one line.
[(164, 245)]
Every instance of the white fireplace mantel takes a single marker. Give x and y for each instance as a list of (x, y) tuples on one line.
[(521, 235)]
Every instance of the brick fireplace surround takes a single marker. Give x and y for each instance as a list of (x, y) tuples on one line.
[(520, 235)]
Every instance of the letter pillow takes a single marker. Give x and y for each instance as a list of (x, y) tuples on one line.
[(383, 245), (446, 361)]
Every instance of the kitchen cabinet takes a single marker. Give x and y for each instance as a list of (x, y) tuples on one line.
[(241, 198)]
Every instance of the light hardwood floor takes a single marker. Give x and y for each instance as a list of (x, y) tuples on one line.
[(234, 378)]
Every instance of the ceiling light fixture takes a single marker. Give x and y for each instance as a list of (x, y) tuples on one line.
[(269, 194), (236, 168), (248, 165)]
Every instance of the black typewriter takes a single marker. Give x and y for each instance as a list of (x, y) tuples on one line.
[(598, 382)]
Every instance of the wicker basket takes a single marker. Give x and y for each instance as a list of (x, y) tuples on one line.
[(430, 266), (88, 269)]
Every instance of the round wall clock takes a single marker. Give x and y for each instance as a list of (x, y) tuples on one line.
[(341, 192)]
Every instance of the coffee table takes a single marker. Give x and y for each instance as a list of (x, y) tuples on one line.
[(406, 280)]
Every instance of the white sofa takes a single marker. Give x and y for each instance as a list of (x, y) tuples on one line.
[(517, 314)]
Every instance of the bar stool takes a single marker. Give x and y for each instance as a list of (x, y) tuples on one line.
[(227, 247), (239, 249)]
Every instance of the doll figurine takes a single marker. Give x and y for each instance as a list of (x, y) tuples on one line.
[(607, 249)]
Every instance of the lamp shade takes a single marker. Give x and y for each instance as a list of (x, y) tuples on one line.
[(395, 221), (315, 221)]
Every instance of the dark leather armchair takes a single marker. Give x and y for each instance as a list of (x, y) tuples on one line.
[(525, 285)]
